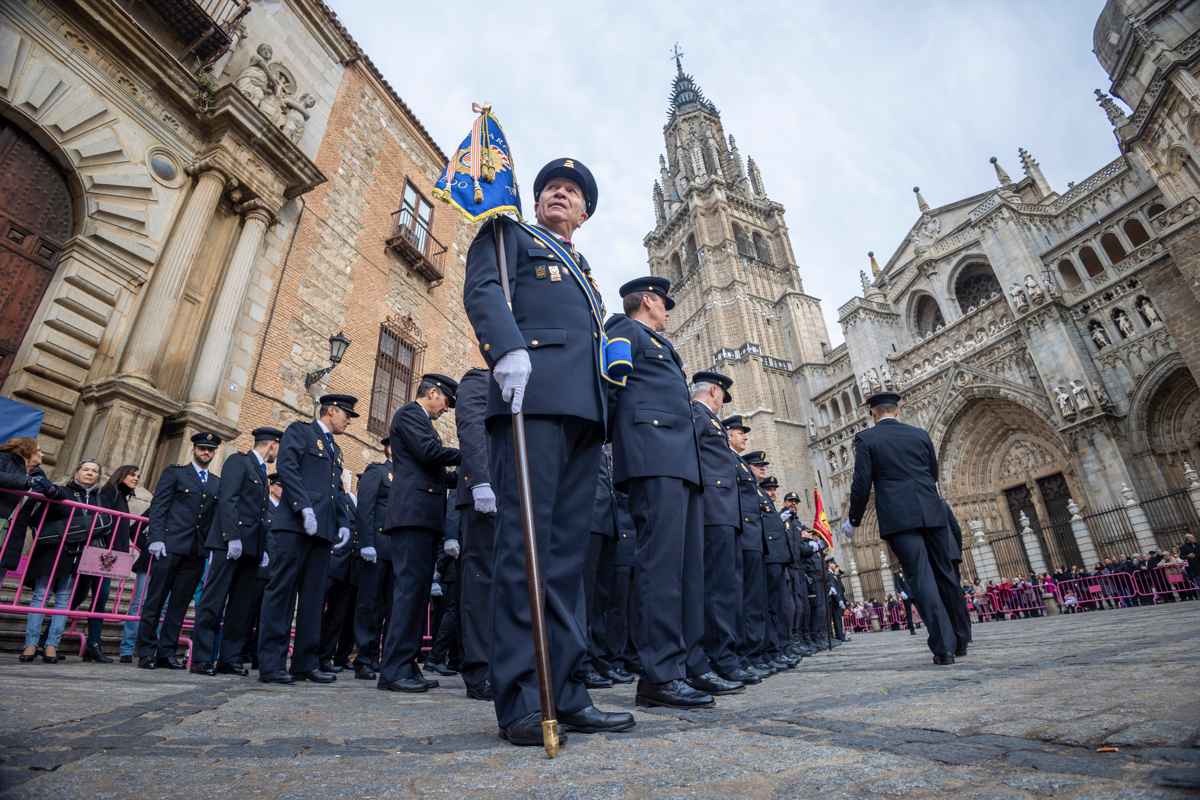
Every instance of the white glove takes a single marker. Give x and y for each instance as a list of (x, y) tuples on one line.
[(847, 529), (435, 590), (512, 373), (310, 521), (265, 561), (157, 549), (451, 548), (369, 555), (235, 549), (343, 538), (485, 498)]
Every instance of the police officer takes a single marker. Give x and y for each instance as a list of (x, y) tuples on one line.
[(476, 503), (374, 597), (900, 462), (622, 616), (416, 515), (544, 351), (752, 617), (237, 541), (598, 576), (837, 600), (341, 594), (311, 517), (262, 575), (722, 527), (816, 622), (777, 558), (798, 575), (656, 459), (181, 514)]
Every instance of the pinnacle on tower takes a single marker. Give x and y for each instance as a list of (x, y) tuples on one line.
[(921, 204), (756, 181), (1116, 116), (875, 270), (686, 94), (660, 211), (1001, 175), (1032, 169)]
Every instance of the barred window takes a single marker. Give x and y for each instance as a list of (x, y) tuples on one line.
[(397, 369)]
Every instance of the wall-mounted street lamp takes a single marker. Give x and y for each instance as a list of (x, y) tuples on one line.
[(337, 348)]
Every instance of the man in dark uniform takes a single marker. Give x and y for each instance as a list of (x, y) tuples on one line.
[(598, 576), (262, 575), (837, 600), (905, 592), (445, 651), (777, 558), (341, 596), (544, 351), (476, 503), (812, 564), (374, 598), (798, 581), (656, 459), (899, 460), (416, 515), (311, 517), (181, 514), (237, 540), (722, 528), (752, 619)]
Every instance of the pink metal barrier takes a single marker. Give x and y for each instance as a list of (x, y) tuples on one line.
[(1120, 589)]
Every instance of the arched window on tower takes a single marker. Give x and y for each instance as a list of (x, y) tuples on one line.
[(691, 256), (1091, 262), (744, 246), (675, 268), (762, 249), (975, 285), (1112, 247), (1066, 271), (836, 409), (926, 315), (1136, 233)]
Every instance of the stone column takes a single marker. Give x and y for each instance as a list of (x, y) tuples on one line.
[(855, 581), (985, 559), (1138, 519), (1083, 538), (209, 368), (1033, 548), (166, 285), (885, 572), (1193, 484)]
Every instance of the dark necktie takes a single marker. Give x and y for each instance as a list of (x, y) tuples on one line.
[(262, 468), (203, 476), (329, 444)]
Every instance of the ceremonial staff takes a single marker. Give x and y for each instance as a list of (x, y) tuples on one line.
[(484, 162)]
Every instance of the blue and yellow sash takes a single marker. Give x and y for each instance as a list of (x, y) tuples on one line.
[(616, 354)]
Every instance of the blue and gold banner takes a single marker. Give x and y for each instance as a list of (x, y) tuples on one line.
[(479, 179)]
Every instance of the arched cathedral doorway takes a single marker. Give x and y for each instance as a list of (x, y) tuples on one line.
[(36, 219)]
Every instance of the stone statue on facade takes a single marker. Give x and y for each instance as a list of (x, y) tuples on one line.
[(1083, 400), (833, 460), (871, 378), (272, 106), (1149, 312), (1065, 407), (1019, 298), (1101, 395), (255, 81), (1124, 323), (1100, 336), (885, 377), (1034, 290), (296, 114)]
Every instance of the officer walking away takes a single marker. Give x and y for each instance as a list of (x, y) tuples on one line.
[(181, 514), (544, 351), (238, 543), (416, 515), (899, 461), (311, 517), (374, 598)]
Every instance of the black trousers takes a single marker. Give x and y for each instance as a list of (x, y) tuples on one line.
[(250, 646), (835, 616), (780, 608), (447, 629), (669, 516), (908, 615), (477, 534), (924, 555), (622, 619), (226, 605), (818, 611), (563, 469), (372, 607), (599, 575), (801, 603), (960, 617), (177, 576), (412, 553), (337, 620), (752, 621), (299, 566), (722, 596)]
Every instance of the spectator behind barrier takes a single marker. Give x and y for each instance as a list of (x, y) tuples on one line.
[(20, 470)]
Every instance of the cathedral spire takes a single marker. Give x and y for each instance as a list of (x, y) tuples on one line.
[(686, 94), (1001, 175), (921, 204), (1116, 116), (1031, 167)]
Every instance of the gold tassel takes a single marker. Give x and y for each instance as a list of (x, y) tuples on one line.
[(478, 192)]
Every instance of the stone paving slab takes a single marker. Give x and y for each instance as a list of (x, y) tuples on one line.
[(1021, 717)]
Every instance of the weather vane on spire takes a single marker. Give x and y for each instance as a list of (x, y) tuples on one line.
[(677, 54)]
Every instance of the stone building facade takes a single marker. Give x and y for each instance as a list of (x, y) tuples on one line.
[(196, 197)]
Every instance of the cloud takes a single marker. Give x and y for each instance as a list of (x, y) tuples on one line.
[(845, 107)]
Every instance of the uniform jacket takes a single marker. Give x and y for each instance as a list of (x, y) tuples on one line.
[(311, 472), (182, 510), (776, 548), (242, 506), (749, 508), (900, 462), (470, 417), (551, 316), (418, 495), (718, 465), (795, 539), (955, 533), (651, 416), (604, 509), (374, 488)]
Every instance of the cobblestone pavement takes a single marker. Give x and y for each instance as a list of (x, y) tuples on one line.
[(1023, 716)]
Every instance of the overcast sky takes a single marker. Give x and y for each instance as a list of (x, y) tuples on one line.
[(845, 106)]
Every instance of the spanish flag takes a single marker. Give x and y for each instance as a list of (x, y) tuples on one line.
[(820, 521)]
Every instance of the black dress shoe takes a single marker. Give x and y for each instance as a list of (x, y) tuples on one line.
[(364, 673), (672, 694), (203, 669), (439, 668), (481, 691), (618, 675), (784, 663), (432, 684), (232, 669), (145, 662), (327, 666), (126, 659), (912, 633), (714, 684), (282, 677), (742, 676), (761, 674), (593, 720), (943, 661), (341, 666), (316, 676), (527, 732), (96, 654), (169, 663), (767, 668), (960, 651), (410, 685), (594, 680)]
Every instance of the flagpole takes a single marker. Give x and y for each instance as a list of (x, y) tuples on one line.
[(533, 575)]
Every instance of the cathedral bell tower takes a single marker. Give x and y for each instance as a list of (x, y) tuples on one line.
[(740, 302)]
